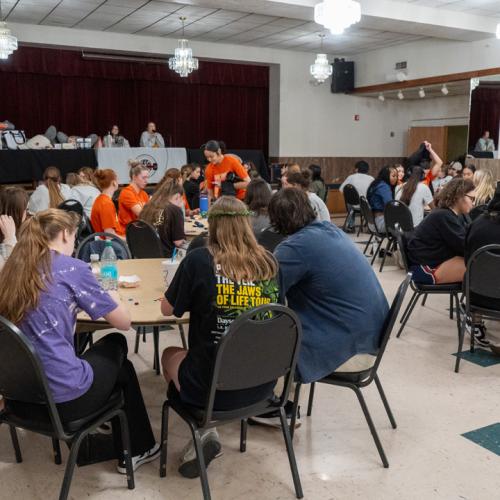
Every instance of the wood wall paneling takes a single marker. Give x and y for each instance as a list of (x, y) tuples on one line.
[(437, 136)]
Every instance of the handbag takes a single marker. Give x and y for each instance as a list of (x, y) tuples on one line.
[(12, 139)]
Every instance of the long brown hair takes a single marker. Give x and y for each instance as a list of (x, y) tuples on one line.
[(52, 178), (410, 186), (30, 262), (232, 243), (153, 210), (13, 202), (452, 192), (173, 174)]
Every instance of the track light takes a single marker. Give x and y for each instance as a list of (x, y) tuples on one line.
[(444, 90), (421, 93), (381, 97), (401, 96)]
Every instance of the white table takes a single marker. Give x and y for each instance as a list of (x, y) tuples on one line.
[(158, 160)]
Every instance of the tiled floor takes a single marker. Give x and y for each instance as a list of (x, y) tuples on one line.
[(428, 454)]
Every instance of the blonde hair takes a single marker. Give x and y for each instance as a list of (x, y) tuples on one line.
[(52, 178), (88, 174), (485, 186), (29, 266), (232, 243), (136, 167)]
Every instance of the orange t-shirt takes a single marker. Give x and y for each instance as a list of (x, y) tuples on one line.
[(429, 178), (228, 164), (103, 216), (129, 197)]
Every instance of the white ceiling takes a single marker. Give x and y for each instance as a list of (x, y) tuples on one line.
[(286, 24)]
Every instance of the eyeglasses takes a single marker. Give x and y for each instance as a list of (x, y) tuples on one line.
[(471, 198)]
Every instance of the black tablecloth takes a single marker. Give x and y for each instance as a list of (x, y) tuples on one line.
[(28, 165), (254, 155)]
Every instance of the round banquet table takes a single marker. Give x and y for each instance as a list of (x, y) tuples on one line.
[(191, 231), (143, 302)]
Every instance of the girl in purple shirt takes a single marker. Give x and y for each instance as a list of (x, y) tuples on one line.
[(48, 288)]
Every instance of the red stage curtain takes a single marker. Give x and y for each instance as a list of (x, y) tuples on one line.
[(229, 102), (484, 114)]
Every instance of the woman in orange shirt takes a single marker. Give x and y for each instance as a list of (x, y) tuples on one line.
[(224, 173), (103, 216), (133, 198)]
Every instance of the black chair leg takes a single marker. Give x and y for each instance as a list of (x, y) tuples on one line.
[(57, 451), (201, 463), (386, 404), (377, 251), (183, 336), (461, 335), (15, 444), (451, 305), (137, 339), (361, 222), (407, 314), (243, 435), (164, 439), (291, 454), (368, 244), (387, 249), (311, 399), (156, 339), (70, 466), (424, 300), (127, 450), (295, 408), (369, 420)]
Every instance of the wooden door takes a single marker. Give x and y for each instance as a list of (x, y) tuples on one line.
[(437, 136)]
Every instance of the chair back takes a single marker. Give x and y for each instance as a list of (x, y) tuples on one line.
[(143, 240), (483, 271), (22, 377), (402, 243), (396, 212), (389, 323), (259, 347), (351, 195), (72, 206), (96, 242)]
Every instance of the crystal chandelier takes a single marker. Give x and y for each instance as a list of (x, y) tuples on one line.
[(321, 69), (8, 43), (183, 61), (337, 15)]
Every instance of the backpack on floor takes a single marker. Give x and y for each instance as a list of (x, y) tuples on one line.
[(12, 139)]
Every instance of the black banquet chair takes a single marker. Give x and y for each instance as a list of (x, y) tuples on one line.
[(22, 380), (351, 198), (451, 289), (357, 380), (260, 346), (396, 214), (95, 243), (481, 284), (367, 214)]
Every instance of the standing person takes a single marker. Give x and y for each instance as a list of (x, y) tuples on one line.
[(150, 138), (103, 216), (192, 187), (51, 193), (416, 195), (436, 251), (485, 187), (114, 139), (85, 190), (47, 287), (485, 143), (381, 192), (330, 285), (164, 212), (224, 174), (318, 186), (428, 159), (231, 266), (257, 199), (302, 181), (133, 198)]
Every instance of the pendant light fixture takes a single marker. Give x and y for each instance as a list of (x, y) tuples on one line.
[(183, 62), (8, 42), (321, 69), (337, 15)]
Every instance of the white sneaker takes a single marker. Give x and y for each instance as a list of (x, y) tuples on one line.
[(211, 449), (137, 461)]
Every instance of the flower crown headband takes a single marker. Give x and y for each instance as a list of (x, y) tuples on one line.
[(224, 213)]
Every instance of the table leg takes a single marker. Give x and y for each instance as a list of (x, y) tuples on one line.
[(156, 339)]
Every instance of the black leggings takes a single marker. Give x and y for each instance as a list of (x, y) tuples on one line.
[(108, 359)]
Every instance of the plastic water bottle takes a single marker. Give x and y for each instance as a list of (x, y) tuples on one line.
[(203, 204), (109, 269), (95, 266)]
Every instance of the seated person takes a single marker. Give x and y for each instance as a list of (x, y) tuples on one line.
[(428, 159), (468, 172), (133, 198), (485, 143), (318, 186), (380, 193), (47, 287), (416, 195), (485, 187), (231, 263), (150, 138), (114, 139), (51, 193), (330, 285), (103, 217), (436, 250), (13, 211), (85, 190), (302, 181), (164, 212), (257, 199)]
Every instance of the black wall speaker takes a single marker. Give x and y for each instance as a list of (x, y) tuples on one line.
[(343, 76)]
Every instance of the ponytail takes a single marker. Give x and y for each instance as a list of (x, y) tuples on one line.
[(52, 178)]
